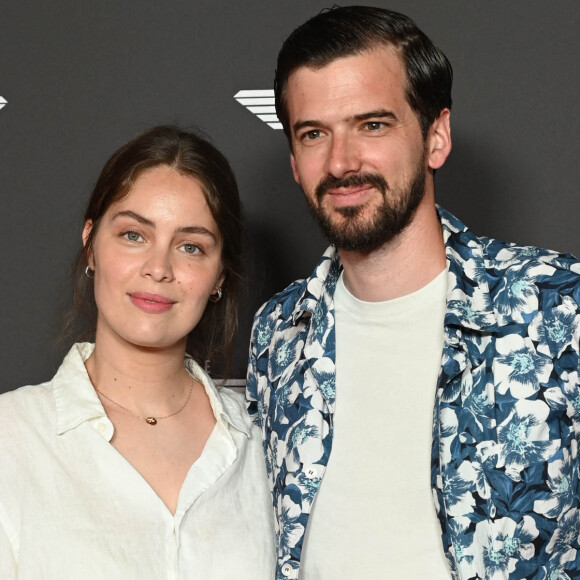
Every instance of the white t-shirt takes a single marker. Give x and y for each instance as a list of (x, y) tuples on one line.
[(72, 507), (374, 516)]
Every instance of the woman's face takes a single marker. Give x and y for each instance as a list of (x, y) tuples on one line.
[(157, 260)]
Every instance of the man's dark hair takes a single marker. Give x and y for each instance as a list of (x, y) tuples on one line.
[(353, 30)]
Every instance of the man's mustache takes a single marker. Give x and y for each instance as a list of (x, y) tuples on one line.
[(355, 180)]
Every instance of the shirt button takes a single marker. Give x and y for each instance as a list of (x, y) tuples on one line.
[(287, 569), (311, 472), (101, 428)]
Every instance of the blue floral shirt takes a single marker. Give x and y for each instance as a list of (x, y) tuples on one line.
[(506, 423)]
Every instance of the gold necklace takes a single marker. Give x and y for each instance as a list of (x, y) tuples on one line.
[(151, 420)]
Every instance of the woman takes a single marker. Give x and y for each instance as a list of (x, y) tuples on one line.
[(130, 463)]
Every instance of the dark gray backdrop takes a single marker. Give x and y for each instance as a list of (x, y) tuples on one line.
[(81, 78)]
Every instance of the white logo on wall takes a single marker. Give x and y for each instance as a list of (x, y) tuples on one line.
[(261, 103), (3, 102)]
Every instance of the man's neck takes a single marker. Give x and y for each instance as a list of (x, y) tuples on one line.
[(403, 265)]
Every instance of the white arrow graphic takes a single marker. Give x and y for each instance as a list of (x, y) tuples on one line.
[(3, 102), (261, 103)]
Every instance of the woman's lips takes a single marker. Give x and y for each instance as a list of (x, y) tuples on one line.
[(152, 303)]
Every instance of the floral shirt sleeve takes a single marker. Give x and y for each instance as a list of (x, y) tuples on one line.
[(505, 453)]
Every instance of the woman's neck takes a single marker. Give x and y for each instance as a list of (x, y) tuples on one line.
[(139, 378)]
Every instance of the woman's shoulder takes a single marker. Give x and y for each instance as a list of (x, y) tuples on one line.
[(26, 406), (232, 395), (25, 399), (234, 399), (26, 428), (33, 408), (236, 410)]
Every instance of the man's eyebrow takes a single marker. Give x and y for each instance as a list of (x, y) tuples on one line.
[(302, 124), (379, 114), (147, 222)]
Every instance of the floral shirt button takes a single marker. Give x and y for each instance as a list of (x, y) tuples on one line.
[(311, 472), (287, 569)]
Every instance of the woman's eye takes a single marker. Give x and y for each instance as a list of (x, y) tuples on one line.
[(191, 249), (132, 236)]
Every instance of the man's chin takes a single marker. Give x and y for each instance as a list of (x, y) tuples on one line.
[(349, 236), (360, 232), (349, 211)]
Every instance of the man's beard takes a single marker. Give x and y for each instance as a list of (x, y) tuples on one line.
[(393, 215)]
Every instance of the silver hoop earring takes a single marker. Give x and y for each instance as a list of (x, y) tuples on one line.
[(89, 273), (216, 296)]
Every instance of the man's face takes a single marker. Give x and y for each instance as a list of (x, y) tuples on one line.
[(357, 148)]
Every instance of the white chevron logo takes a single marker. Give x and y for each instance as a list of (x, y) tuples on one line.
[(261, 103), (3, 102)]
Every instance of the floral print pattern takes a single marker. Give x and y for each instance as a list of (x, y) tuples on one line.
[(506, 427)]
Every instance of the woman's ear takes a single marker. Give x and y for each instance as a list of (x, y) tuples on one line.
[(220, 280), (87, 229)]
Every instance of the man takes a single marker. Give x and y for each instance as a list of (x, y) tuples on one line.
[(418, 394)]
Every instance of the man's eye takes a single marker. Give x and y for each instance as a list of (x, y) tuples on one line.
[(374, 125), (311, 135)]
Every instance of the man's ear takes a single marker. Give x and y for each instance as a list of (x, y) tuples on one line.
[(439, 140), (294, 172)]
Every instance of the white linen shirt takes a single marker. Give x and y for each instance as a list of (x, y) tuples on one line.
[(71, 506)]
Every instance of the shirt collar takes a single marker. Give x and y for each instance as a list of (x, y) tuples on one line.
[(75, 397), (77, 401), (320, 285), (222, 401), (469, 303)]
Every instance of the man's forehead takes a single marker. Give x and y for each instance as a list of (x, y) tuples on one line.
[(376, 74), (386, 53)]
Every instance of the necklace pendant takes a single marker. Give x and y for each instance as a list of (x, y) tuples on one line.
[(151, 420)]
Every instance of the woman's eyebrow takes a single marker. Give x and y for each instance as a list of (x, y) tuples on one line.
[(134, 215), (197, 230), (147, 222)]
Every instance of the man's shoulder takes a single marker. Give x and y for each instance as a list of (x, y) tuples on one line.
[(512, 279), (540, 263), (283, 301), (526, 279), (307, 290)]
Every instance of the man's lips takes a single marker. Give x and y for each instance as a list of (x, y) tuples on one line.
[(153, 303), (352, 195), (352, 189)]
